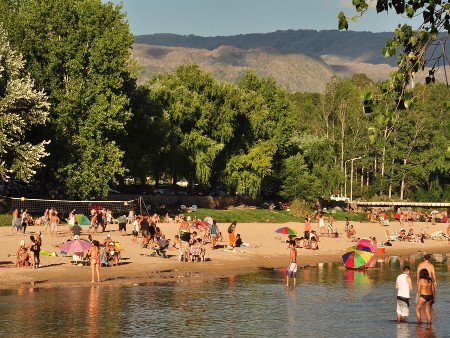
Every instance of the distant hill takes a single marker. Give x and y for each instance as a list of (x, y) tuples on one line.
[(360, 46), (294, 71), (299, 60)]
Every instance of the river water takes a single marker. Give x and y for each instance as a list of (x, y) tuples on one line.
[(328, 301)]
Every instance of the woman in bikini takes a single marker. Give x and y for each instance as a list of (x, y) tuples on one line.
[(95, 260), (425, 295)]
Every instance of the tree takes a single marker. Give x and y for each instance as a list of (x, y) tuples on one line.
[(78, 52), (298, 182), (421, 46), (22, 107)]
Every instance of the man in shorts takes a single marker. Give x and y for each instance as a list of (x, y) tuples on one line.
[(292, 268), (404, 285)]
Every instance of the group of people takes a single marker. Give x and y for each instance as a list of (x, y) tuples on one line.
[(30, 251), (407, 217), (21, 221), (425, 294)]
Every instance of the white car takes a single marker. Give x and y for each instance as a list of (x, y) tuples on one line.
[(339, 198)]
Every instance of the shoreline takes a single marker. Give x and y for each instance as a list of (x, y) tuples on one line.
[(270, 252)]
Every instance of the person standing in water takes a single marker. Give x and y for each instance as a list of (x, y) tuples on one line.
[(404, 286), (292, 268), (425, 295), (429, 266), (95, 260)]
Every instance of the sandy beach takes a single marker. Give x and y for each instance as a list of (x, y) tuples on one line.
[(268, 251)]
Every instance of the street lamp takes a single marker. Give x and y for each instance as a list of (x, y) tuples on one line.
[(351, 176)]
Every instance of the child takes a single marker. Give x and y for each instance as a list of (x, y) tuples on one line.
[(404, 286), (292, 269), (135, 231)]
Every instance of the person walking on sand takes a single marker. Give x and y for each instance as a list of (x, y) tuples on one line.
[(321, 223), (213, 233), (231, 235), (429, 266), (291, 271), (95, 260), (404, 286), (425, 295), (307, 228)]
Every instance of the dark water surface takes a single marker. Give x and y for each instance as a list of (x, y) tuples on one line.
[(328, 301)]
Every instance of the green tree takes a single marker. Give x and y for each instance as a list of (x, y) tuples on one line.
[(298, 182), (413, 42), (78, 52), (22, 108)]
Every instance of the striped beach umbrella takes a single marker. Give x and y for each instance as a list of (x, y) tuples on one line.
[(285, 231), (355, 258)]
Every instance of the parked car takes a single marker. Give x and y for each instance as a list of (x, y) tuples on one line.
[(164, 191), (339, 198)]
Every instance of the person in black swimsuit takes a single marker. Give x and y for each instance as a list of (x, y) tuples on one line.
[(35, 248), (425, 295)]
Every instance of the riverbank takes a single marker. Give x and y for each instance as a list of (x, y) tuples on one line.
[(267, 251)]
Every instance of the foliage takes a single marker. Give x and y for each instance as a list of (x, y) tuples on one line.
[(22, 108), (298, 182), (78, 53), (420, 47)]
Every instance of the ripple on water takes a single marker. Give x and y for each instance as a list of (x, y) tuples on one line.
[(328, 301)]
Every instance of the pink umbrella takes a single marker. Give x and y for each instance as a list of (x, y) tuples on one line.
[(77, 245), (366, 243)]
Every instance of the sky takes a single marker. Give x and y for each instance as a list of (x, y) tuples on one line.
[(232, 17)]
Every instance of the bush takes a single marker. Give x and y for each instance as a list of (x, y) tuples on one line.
[(301, 208)]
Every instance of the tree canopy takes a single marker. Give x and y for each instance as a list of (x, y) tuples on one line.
[(22, 108)]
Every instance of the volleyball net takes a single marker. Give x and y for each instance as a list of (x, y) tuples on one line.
[(37, 206)]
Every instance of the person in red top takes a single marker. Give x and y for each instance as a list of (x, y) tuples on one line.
[(307, 227)]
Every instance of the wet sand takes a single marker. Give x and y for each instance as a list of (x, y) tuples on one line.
[(269, 251)]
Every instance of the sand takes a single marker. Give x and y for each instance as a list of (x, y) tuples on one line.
[(269, 252)]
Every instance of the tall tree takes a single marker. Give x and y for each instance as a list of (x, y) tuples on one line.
[(22, 107), (78, 52)]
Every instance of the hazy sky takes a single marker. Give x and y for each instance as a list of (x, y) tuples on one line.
[(230, 17)]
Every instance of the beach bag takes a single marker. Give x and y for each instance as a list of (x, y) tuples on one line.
[(230, 229)]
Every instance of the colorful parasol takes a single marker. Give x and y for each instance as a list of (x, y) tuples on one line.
[(285, 231), (82, 219), (355, 258), (366, 243)]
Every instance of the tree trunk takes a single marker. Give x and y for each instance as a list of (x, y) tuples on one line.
[(402, 186), (390, 179), (362, 179), (384, 151)]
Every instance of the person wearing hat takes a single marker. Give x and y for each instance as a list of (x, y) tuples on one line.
[(22, 255), (107, 241)]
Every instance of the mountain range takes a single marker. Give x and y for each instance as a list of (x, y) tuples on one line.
[(299, 60)]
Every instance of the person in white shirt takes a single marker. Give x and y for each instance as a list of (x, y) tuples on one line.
[(404, 286)]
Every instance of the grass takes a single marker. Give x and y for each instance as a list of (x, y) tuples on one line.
[(245, 216), (248, 215), (5, 220)]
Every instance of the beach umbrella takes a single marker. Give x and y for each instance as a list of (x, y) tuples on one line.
[(285, 231), (82, 219), (77, 245), (366, 243), (355, 258)]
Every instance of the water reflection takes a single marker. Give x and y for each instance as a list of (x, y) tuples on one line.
[(329, 300), (93, 311)]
